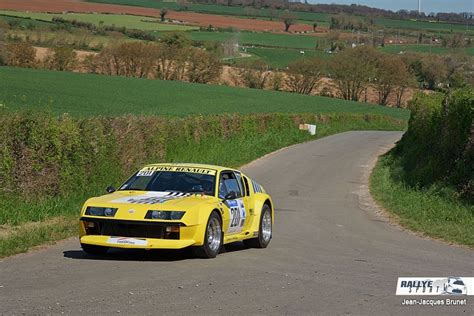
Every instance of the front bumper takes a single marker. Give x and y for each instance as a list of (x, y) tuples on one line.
[(137, 234), (151, 243)]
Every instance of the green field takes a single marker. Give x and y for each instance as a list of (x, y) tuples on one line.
[(304, 16), (215, 9), (424, 25), (280, 58), (79, 39), (258, 39), (22, 22), (87, 95), (423, 48), (128, 21)]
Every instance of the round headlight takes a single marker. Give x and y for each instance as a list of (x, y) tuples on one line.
[(109, 212)]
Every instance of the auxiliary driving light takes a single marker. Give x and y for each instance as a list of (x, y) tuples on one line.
[(172, 229)]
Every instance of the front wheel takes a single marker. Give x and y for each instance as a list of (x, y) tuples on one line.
[(94, 250), (213, 238), (264, 232)]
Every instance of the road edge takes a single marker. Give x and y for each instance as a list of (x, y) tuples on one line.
[(368, 204)]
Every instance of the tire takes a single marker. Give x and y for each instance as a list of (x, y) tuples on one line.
[(213, 238), (94, 250), (264, 230)]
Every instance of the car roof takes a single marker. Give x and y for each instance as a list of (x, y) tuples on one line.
[(192, 165)]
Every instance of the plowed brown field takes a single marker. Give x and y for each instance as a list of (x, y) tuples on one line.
[(198, 19)]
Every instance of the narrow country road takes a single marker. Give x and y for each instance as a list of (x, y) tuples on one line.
[(330, 254)]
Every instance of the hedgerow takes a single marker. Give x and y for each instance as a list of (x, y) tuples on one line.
[(43, 158), (438, 148)]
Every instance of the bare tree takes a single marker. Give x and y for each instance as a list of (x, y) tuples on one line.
[(163, 13), (130, 59), (391, 76), (304, 74), (255, 74), (288, 18), (352, 70)]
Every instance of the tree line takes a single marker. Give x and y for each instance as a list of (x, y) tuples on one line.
[(355, 70), (351, 73), (353, 9), (171, 59)]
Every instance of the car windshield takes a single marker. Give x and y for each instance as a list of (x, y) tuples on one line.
[(458, 282), (170, 181)]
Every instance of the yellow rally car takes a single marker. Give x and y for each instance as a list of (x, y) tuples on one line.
[(173, 206)]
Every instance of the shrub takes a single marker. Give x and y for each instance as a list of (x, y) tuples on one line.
[(61, 58), (21, 54), (203, 66), (130, 59), (438, 146), (44, 157), (276, 81)]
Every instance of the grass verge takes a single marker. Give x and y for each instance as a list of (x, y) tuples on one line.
[(433, 212), (25, 223)]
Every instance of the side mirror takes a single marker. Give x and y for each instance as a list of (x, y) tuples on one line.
[(110, 189), (231, 196)]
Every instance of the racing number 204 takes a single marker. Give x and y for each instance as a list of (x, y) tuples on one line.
[(235, 215)]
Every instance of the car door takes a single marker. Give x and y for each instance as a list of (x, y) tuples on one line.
[(246, 197), (236, 209)]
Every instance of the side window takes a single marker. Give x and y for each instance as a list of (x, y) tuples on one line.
[(246, 185), (238, 176), (227, 183), (257, 188)]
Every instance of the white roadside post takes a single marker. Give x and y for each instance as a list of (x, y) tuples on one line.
[(311, 128)]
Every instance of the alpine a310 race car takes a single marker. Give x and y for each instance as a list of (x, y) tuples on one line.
[(174, 206)]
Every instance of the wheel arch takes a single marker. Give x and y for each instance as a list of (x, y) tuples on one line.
[(269, 203), (203, 218), (260, 200)]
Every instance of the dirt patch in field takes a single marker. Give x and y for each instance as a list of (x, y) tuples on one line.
[(43, 52), (198, 19), (325, 87)]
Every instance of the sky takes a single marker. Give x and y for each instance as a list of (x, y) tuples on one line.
[(427, 6)]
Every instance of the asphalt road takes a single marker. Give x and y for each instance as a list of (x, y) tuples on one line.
[(331, 254)]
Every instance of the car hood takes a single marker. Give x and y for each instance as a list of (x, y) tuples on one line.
[(135, 204)]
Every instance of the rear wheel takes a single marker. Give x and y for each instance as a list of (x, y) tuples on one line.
[(213, 238), (264, 232), (94, 250)]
